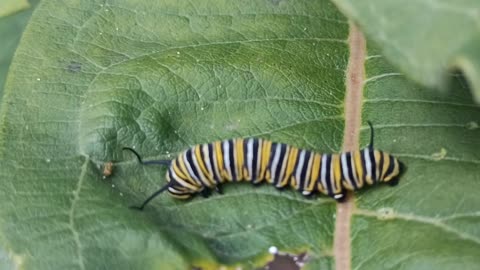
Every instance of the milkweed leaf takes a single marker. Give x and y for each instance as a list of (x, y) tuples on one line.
[(90, 78)]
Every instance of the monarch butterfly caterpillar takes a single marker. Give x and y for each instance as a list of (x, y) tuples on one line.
[(205, 166)]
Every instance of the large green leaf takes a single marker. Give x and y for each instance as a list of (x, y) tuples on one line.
[(432, 219), (11, 29), (90, 78), (424, 38)]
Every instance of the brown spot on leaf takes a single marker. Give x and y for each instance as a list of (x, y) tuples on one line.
[(107, 169)]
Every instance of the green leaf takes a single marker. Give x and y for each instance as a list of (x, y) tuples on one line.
[(91, 78), (424, 39), (431, 219), (9, 7), (11, 29)]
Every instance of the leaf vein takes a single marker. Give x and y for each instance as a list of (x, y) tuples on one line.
[(380, 100), (421, 219), (71, 213)]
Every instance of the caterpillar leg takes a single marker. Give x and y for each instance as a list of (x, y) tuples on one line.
[(256, 183), (206, 192), (219, 189), (309, 195), (340, 197), (393, 182)]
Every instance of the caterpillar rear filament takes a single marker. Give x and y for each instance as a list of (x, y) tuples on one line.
[(206, 166)]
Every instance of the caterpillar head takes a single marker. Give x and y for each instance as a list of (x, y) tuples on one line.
[(390, 168), (393, 169)]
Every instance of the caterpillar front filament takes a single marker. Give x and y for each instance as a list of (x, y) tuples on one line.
[(206, 166)]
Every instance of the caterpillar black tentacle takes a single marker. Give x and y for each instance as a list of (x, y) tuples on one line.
[(372, 134), (151, 197), (149, 162), (205, 166)]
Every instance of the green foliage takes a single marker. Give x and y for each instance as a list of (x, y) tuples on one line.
[(431, 219), (11, 28), (91, 78), (9, 7), (110, 76), (425, 39)]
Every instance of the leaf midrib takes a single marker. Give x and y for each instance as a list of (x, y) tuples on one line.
[(353, 103)]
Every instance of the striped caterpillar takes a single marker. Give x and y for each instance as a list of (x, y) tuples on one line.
[(206, 166)]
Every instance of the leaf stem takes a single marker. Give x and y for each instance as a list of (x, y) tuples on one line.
[(353, 105)]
